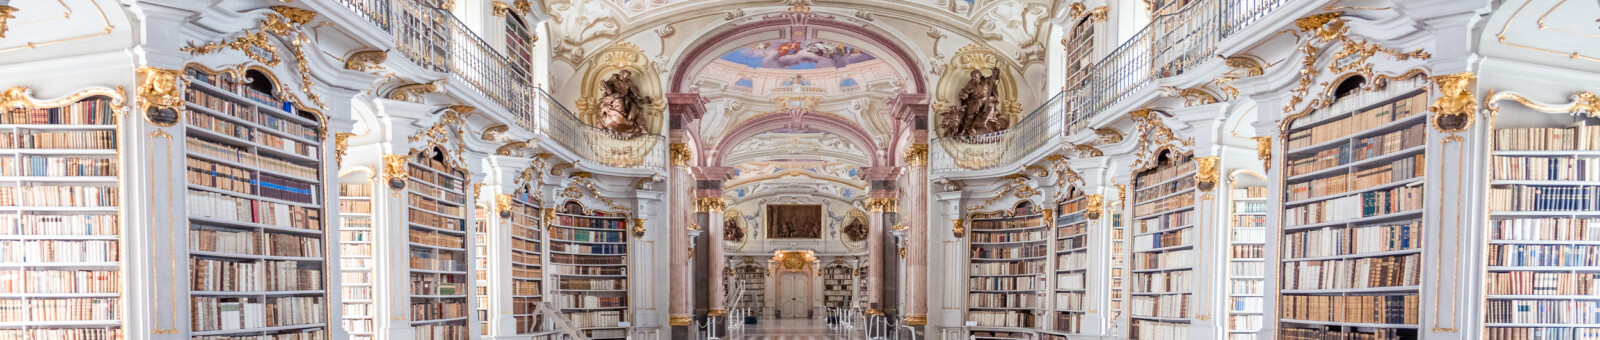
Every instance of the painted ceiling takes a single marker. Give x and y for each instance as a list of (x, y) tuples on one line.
[(797, 55)]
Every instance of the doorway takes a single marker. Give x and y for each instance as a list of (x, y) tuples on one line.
[(795, 300)]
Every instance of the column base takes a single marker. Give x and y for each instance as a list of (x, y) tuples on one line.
[(680, 320), (916, 320)]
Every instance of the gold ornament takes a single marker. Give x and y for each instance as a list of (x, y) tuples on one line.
[(1264, 151), (1455, 108), (5, 15), (365, 60), (681, 155), (394, 171), (958, 227), (1096, 206), (1208, 175), (160, 95), (917, 155), (341, 144)]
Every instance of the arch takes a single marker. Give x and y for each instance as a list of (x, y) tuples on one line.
[(714, 45), (774, 121)]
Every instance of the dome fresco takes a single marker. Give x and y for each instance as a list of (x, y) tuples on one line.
[(797, 55)]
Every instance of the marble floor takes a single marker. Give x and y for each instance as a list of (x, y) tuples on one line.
[(795, 329)]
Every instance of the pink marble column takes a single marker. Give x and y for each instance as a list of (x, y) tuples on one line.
[(916, 161), (713, 207), (681, 306), (876, 206)]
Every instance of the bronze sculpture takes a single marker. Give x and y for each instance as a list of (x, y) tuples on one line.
[(622, 105), (978, 110)]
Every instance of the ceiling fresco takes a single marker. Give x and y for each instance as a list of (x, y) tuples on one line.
[(797, 55)]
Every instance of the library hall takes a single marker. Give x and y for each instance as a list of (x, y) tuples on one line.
[(799, 169)]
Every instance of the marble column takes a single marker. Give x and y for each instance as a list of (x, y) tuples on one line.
[(876, 206), (916, 162), (713, 207), (681, 305)]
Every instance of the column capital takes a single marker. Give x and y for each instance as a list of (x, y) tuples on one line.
[(916, 155), (882, 204), (690, 106), (909, 107)]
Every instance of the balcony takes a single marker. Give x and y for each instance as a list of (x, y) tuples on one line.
[(1169, 46), (435, 40)]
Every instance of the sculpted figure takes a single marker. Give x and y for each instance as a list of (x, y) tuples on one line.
[(622, 105), (978, 110)]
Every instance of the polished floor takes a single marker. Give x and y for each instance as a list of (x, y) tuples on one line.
[(795, 329)]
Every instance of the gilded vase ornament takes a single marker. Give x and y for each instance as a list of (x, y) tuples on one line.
[(1207, 175), (622, 105), (978, 108), (1453, 111)]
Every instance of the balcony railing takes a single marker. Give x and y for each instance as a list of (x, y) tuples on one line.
[(995, 149), (600, 145), (1169, 46), (436, 40)]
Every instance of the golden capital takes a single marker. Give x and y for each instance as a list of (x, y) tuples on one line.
[(1096, 206), (882, 205), (710, 204), (160, 90), (681, 155), (917, 155)]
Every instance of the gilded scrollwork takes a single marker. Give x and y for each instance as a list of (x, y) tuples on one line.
[(1208, 174), (1095, 206), (1264, 151), (341, 144), (1108, 135), (916, 155), (681, 154), (1581, 103), (6, 15), (394, 171), (882, 204), (958, 227), (1456, 107), (161, 95), (412, 92), (364, 61)]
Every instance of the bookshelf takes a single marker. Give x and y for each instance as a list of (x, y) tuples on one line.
[(436, 212), (755, 286), (1164, 237), (61, 255), (527, 260), (863, 283), (1247, 237), (480, 259), (1354, 172), (1008, 252), (1072, 263), (1119, 266), (1543, 218), (837, 285), (256, 237), (588, 253), (355, 256)]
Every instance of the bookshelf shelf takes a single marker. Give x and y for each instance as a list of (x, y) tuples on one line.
[(1015, 298), (1246, 255), (432, 229), (1162, 247), (838, 284), (754, 277), (577, 294)]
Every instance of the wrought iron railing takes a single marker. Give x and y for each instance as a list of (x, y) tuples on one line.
[(995, 149), (1169, 46), (436, 40), (596, 144)]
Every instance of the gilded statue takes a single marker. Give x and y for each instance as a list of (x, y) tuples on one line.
[(978, 110), (1456, 104), (622, 105)]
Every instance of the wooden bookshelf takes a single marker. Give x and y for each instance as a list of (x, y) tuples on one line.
[(480, 259), (863, 283), (527, 260), (1008, 254), (1354, 171), (256, 209), (588, 253), (438, 246), (837, 285), (356, 262), (1542, 219), (71, 147), (1119, 266), (1247, 237), (1164, 237), (754, 277), (1071, 263)]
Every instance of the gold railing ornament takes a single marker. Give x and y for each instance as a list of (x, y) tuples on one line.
[(1207, 176), (394, 171)]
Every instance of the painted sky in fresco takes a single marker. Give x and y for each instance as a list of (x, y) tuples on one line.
[(797, 55)]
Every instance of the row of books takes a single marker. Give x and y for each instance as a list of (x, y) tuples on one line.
[(1072, 260), (985, 225), (355, 235), (355, 250), (524, 259), (593, 284), (218, 275), (1248, 251), (355, 190), (1246, 268), (1584, 138), (1002, 300), (430, 219), (1367, 204), (227, 313), (587, 235), (1399, 170), (452, 196), (1545, 168), (1032, 251), (226, 127), (583, 270), (428, 284), (1163, 282), (440, 332), (54, 166), (225, 106), (216, 175), (1543, 198), (1164, 222), (1006, 268), (60, 281), (52, 251), (246, 158), (596, 318), (1163, 260), (1386, 309), (1387, 271), (96, 139), (436, 239), (1354, 240), (1023, 319), (63, 333), (1071, 281), (1249, 323), (1003, 283), (1014, 236), (1357, 122), (69, 309), (1161, 306), (206, 204), (1163, 189), (1069, 301), (95, 111), (605, 249), (1324, 333), (1071, 228), (1180, 201), (527, 288), (526, 274), (1543, 255), (1069, 322), (435, 310), (589, 301), (287, 127), (428, 204), (1359, 150), (224, 241), (426, 259), (350, 293), (1181, 166), (1249, 192), (1542, 283), (429, 171), (590, 260), (64, 225), (60, 196), (1074, 243), (1164, 239)]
